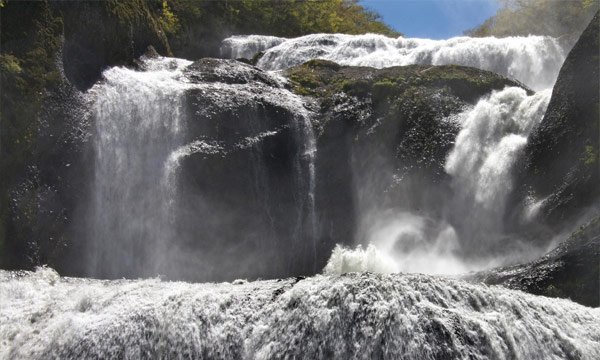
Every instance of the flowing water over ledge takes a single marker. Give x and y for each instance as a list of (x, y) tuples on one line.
[(142, 134), (533, 60), (353, 316)]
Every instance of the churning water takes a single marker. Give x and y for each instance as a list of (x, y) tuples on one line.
[(533, 60), (356, 316)]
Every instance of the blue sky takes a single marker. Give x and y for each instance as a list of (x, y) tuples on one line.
[(435, 19)]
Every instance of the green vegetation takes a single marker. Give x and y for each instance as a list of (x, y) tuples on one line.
[(204, 23), (538, 17), (280, 18), (168, 21), (590, 157), (323, 78)]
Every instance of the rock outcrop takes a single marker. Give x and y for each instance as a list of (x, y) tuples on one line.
[(383, 137), (571, 270), (100, 34), (562, 163)]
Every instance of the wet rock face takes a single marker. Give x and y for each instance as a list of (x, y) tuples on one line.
[(241, 197), (242, 175), (227, 72), (45, 204), (383, 135), (569, 271), (562, 161)]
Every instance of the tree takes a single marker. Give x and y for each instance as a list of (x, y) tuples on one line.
[(538, 17)]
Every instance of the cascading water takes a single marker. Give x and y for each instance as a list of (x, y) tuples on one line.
[(492, 136), (246, 46), (533, 60), (138, 117), (142, 136), (344, 317), (482, 174)]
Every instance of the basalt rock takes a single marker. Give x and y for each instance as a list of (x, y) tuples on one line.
[(562, 161)]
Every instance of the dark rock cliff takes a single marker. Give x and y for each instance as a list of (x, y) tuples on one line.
[(100, 34), (562, 163)]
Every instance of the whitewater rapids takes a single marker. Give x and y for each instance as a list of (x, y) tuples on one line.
[(533, 60), (353, 316)]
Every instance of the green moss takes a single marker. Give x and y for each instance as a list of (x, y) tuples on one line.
[(322, 64), (590, 156), (324, 78), (384, 88), (312, 77), (305, 81), (10, 64)]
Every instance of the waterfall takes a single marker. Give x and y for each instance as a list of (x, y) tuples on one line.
[(533, 60), (465, 236), (143, 135), (247, 46), (139, 120), (492, 135), (345, 317)]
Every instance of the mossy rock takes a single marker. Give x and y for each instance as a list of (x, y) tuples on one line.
[(323, 78), (391, 127)]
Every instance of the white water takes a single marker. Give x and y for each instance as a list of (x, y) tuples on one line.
[(371, 259), (492, 136), (246, 46), (355, 316), (141, 121), (533, 60)]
